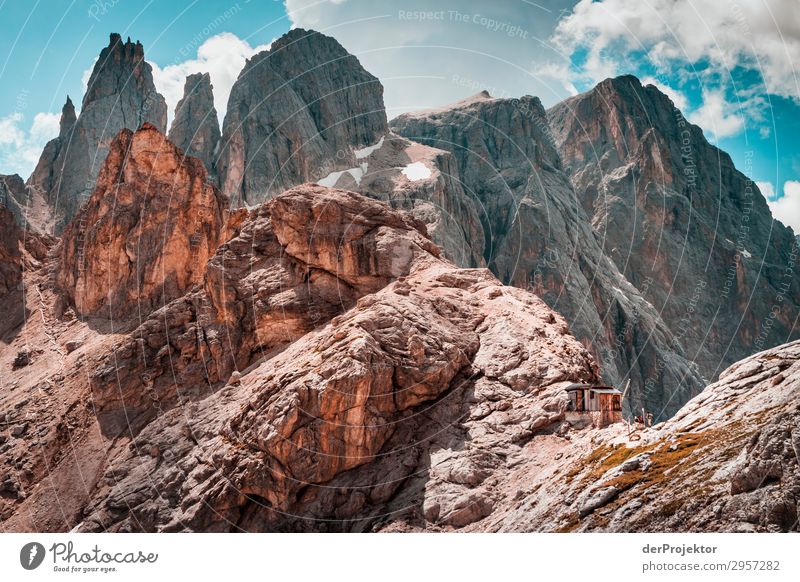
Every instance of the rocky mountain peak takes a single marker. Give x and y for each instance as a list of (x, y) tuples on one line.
[(538, 238), (628, 111), (316, 362), (119, 65), (531, 143), (120, 94), (68, 118), (296, 113), (195, 128), (679, 220), (625, 92)]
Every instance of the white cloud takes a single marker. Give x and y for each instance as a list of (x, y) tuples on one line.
[(678, 98), (10, 133), (560, 72), (45, 126), (716, 116), (20, 148), (787, 207), (704, 40), (756, 35), (222, 56), (767, 189)]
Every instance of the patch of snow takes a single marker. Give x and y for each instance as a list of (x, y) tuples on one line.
[(330, 180), (365, 152), (746, 254), (416, 171), (357, 174)]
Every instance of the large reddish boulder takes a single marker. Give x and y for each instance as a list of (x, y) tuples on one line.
[(147, 232)]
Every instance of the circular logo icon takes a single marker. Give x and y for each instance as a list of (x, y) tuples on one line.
[(31, 555)]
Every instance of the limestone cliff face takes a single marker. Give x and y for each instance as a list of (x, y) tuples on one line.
[(195, 128), (303, 105), (47, 173), (33, 204), (120, 94), (306, 111), (21, 250), (317, 361), (145, 234), (420, 352), (538, 237), (28, 205), (288, 267), (684, 226)]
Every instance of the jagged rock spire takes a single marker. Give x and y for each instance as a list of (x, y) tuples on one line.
[(195, 128), (68, 118), (120, 94)]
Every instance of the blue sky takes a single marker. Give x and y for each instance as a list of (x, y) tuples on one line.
[(46, 45), (728, 65)]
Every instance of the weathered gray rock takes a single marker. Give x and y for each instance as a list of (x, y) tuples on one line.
[(317, 365), (434, 402), (470, 457), (303, 105), (120, 94), (692, 233), (21, 249), (538, 237), (306, 111), (597, 499), (195, 128), (423, 181), (346, 424), (27, 204)]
